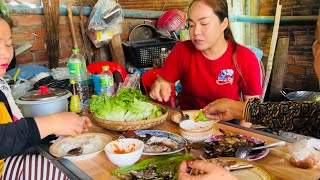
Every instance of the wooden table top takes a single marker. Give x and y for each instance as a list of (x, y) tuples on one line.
[(277, 161)]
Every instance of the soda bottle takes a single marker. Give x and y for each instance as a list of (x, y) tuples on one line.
[(78, 72), (107, 82)]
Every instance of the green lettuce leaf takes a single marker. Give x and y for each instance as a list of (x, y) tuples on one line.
[(201, 117)]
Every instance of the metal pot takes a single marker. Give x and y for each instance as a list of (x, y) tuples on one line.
[(143, 32), (43, 101)]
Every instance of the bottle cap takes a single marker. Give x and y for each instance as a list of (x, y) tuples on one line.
[(75, 51), (105, 68), (72, 81)]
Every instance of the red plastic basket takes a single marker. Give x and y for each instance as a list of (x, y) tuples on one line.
[(172, 20)]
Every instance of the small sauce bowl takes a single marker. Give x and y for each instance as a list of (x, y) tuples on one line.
[(124, 152)]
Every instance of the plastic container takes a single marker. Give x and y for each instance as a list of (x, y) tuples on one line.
[(172, 20), (141, 54), (78, 72), (106, 80), (163, 56)]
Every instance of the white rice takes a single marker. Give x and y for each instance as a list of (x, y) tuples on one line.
[(89, 145)]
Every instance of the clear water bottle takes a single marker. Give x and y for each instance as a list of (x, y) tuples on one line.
[(107, 82), (78, 72)]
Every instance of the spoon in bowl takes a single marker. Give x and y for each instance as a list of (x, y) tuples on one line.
[(72, 152), (243, 151), (183, 116)]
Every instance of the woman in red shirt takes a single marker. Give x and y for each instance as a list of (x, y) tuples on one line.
[(211, 65)]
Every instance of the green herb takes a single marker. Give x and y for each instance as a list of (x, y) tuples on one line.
[(168, 162), (201, 117)]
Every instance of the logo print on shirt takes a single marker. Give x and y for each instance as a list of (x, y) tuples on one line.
[(225, 77)]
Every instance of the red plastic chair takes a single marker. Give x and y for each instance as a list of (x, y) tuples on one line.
[(96, 68), (148, 79)]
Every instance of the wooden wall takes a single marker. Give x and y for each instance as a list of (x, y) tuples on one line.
[(300, 74)]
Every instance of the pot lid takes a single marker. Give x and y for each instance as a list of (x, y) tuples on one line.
[(142, 32), (43, 93)]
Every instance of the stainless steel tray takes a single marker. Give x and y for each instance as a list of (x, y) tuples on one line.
[(302, 95)]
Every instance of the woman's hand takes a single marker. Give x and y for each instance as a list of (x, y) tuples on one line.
[(62, 124), (211, 171), (224, 109), (161, 90)]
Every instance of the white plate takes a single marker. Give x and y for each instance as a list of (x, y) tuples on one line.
[(258, 172), (182, 143), (86, 141)]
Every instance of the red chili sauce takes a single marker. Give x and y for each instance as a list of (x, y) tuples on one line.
[(118, 150)]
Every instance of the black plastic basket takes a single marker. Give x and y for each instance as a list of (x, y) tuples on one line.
[(141, 53)]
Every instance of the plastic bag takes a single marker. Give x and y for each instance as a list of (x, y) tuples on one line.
[(100, 38), (305, 153), (104, 22), (131, 81), (20, 87), (104, 14)]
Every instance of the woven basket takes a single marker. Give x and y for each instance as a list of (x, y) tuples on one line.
[(132, 125)]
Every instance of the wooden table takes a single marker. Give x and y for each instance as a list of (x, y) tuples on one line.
[(277, 161)]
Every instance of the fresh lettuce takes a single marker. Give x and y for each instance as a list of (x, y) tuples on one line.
[(201, 116), (128, 105)]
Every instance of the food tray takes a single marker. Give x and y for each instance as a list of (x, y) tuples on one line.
[(302, 96)]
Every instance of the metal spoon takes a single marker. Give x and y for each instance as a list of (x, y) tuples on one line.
[(243, 151), (183, 116), (72, 152)]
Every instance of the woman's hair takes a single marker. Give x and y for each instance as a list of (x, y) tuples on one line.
[(220, 8)]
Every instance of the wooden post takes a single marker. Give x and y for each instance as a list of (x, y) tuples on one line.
[(74, 39), (51, 14), (280, 65), (86, 41), (117, 53), (272, 49)]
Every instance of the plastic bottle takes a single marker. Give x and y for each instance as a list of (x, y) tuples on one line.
[(163, 56), (75, 102), (107, 82), (79, 73)]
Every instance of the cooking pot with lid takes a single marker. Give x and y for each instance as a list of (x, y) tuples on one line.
[(43, 101)]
